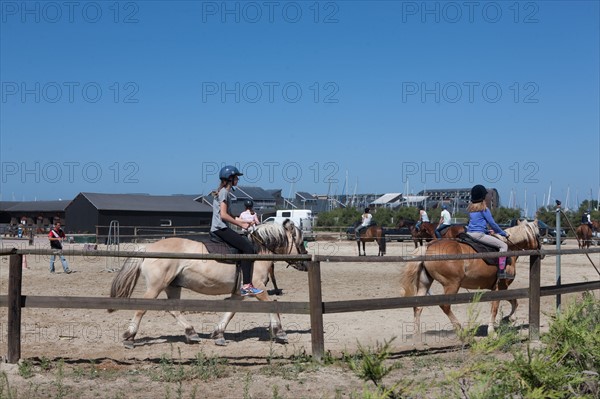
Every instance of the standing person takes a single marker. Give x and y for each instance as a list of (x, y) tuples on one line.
[(444, 221), (365, 222), (479, 219), (423, 218), (229, 177), (249, 216), (56, 236)]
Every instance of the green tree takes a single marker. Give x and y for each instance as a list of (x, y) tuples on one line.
[(503, 215)]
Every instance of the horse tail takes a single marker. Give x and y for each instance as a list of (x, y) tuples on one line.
[(409, 281), (125, 281)]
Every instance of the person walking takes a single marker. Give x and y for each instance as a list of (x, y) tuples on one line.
[(56, 236)]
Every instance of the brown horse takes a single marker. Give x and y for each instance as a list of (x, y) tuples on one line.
[(372, 233), (466, 273), (584, 236), (427, 231)]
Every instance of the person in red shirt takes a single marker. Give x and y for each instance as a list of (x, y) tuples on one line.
[(56, 236)]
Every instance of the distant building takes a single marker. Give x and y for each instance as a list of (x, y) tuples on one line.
[(93, 213), (38, 214), (457, 198), (391, 200)]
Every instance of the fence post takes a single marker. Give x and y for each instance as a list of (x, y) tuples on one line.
[(15, 275), (317, 330), (534, 297)]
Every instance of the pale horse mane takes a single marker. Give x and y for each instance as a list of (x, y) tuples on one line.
[(272, 237), (523, 232)]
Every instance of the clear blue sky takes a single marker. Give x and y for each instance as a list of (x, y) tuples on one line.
[(153, 96)]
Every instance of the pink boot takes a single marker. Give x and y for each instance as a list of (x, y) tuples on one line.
[(502, 269), (502, 263)]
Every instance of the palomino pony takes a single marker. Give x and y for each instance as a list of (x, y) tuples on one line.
[(208, 277), (372, 233), (584, 236), (472, 273)]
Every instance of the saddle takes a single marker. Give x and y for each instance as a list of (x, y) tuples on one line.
[(479, 246), (214, 245)]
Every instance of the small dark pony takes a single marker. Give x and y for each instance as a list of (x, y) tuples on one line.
[(584, 236), (371, 233)]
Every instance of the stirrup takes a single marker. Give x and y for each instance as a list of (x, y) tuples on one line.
[(503, 275)]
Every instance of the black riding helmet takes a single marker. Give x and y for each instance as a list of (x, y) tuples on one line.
[(478, 193), (248, 203)]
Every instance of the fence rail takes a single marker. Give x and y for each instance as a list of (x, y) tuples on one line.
[(315, 307)]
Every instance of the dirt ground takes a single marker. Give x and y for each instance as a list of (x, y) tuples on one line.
[(91, 339)]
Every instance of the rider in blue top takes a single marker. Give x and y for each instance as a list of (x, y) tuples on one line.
[(479, 219)]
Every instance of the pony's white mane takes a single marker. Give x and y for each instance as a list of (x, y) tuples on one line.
[(273, 236), (523, 232)]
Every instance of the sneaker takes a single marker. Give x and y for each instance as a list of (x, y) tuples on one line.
[(250, 291), (68, 271), (51, 271), (503, 275)]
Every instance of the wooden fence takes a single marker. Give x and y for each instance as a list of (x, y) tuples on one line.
[(315, 307)]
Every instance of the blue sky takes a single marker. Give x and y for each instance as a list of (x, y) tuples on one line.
[(340, 96)]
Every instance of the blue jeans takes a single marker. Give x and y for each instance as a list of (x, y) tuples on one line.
[(441, 227), (63, 260)]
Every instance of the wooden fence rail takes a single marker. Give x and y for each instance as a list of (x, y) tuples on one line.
[(315, 307)]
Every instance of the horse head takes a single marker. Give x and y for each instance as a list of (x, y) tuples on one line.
[(525, 235), (296, 241), (279, 239)]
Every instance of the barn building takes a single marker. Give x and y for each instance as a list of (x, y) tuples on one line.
[(136, 214)]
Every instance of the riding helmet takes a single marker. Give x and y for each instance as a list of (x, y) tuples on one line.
[(228, 172), (367, 210), (248, 203), (478, 193)]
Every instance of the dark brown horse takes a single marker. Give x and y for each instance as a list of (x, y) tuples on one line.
[(472, 273), (427, 231), (372, 233), (584, 235)]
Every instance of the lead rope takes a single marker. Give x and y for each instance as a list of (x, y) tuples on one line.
[(578, 242)]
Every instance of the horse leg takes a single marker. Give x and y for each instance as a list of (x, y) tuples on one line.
[(424, 283), (493, 313), (513, 309), (276, 328), (358, 245), (134, 324), (191, 335), (276, 289), (219, 332), (450, 290)]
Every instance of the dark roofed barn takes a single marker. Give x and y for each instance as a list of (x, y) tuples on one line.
[(89, 210)]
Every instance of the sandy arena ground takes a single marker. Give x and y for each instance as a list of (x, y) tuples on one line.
[(81, 336)]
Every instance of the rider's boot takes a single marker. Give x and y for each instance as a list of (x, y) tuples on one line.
[(502, 274)]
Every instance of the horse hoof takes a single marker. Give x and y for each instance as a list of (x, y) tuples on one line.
[(220, 342), (193, 338), (128, 344), (281, 339)]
